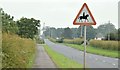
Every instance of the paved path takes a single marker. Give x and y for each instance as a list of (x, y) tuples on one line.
[(42, 59), (92, 60)]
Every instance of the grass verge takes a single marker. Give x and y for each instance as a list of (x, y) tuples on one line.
[(60, 60), (94, 50)]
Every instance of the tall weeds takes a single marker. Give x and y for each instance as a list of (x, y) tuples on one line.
[(17, 51), (111, 45), (78, 41)]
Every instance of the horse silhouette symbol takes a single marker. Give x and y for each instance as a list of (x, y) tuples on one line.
[(83, 17)]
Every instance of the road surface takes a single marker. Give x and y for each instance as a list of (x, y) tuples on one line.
[(92, 60)]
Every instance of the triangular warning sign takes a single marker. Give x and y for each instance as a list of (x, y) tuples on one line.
[(84, 17)]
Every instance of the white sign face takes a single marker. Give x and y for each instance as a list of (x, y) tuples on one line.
[(84, 16)]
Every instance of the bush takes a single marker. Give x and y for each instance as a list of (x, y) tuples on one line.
[(39, 41), (52, 39), (78, 41), (0, 48), (111, 45), (17, 51)]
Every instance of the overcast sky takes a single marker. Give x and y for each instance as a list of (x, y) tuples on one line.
[(61, 13)]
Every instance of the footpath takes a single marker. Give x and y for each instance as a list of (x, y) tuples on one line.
[(42, 59)]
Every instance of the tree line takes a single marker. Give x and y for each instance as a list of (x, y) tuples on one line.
[(70, 33), (28, 28), (24, 27)]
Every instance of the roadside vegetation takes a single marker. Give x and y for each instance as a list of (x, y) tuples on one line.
[(0, 48), (17, 52), (78, 41), (60, 60), (94, 50), (39, 41), (52, 39), (18, 41), (109, 45), (106, 38), (99, 47), (0, 41)]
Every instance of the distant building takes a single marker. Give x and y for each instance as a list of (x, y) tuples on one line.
[(99, 36)]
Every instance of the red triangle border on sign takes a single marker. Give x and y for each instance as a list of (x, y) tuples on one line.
[(84, 23)]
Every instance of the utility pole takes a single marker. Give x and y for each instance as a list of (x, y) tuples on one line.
[(109, 30)]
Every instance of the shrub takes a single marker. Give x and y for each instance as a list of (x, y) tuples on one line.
[(74, 41), (17, 51), (0, 48), (52, 39), (39, 41), (111, 45)]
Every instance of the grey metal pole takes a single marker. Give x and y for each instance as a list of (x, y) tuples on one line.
[(81, 30), (108, 30), (84, 47)]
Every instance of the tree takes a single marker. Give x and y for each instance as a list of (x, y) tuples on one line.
[(119, 34), (47, 31), (53, 32), (67, 33), (106, 28), (79, 31), (74, 32), (113, 36), (28, 28), (8, 24), (91, 32), (59, 32)]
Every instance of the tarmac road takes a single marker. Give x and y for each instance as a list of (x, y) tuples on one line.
[(92, 60)]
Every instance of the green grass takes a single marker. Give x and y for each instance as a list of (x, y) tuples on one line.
[(60, 60), (99, 51)]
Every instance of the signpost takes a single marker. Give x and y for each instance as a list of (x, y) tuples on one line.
[(85, 18), (81, 31)]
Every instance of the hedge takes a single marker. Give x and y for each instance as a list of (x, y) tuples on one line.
[(17, 52), (111, 45)]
